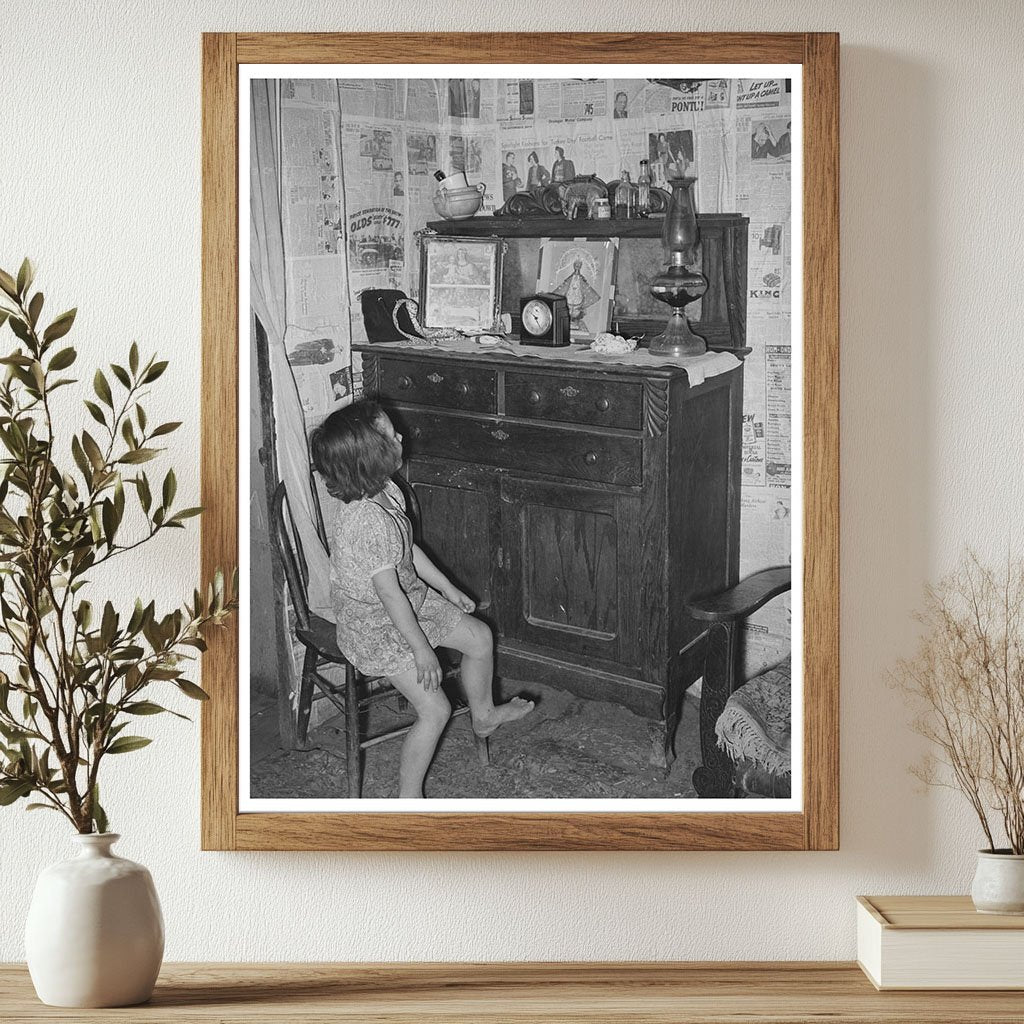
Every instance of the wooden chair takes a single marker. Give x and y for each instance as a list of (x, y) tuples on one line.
[(750, 719), (318, 637)]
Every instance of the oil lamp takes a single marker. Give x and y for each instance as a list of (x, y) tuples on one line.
[(678, 286)]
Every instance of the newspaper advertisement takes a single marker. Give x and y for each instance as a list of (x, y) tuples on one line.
[(317, 334), (760, 92), (778, 396)]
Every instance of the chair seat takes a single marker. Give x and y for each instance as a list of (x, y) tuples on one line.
[(322, 636), (755, 725)]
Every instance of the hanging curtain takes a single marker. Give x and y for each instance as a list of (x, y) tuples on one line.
[(268, 297)]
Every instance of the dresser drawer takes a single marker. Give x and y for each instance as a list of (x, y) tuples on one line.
[(448, 385), (524, 447), (586, 400)]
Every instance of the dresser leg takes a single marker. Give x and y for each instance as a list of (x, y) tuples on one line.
[(715, 782), (662, 743)]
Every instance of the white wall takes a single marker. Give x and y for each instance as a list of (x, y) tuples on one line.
[(99, 182)]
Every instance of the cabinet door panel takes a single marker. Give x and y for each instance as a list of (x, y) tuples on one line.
[(561, 547)]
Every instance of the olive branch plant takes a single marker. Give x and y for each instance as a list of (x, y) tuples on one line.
[(80, 674), (966, 682)]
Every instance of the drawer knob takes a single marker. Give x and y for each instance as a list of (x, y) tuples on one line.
[(533, 398), (602, 404), (462, 388), (415, 432), (590, 458), (404, 383)]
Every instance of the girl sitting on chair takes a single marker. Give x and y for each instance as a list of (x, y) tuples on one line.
[(393, 605)]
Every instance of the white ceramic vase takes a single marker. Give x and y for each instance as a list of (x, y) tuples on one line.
[(95, 934), (999, 883)]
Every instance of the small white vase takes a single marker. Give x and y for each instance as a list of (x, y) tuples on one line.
[(95, 934), (999, 883)]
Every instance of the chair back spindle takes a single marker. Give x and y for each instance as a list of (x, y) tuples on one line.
[(318, 511), (412, 505), (289, 549)]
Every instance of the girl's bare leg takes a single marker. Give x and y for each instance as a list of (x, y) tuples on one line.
[(473, 638), (432, 714)]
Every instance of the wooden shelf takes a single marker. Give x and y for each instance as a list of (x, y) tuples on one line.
[(665, 993), (559, 227), (723, 321)]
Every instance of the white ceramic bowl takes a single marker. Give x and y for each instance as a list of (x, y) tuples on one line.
[(455, 181), (459, 203)]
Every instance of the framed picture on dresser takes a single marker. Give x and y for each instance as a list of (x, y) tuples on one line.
[(583, 270), (460, 282), (522, 597)]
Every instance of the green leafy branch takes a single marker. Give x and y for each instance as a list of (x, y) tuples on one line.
[(82, 675)]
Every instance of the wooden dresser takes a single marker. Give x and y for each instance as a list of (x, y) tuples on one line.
[(580, 504)]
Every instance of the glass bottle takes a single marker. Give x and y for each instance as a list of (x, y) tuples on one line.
[(625, 198), (643, 190)]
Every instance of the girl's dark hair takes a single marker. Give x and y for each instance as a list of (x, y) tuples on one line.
[(351, 453)]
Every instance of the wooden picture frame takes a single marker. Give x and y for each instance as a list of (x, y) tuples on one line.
[(816, 825), (600, 256), (440, 284)]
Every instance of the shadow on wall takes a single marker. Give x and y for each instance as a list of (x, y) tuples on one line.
[(887, 204)]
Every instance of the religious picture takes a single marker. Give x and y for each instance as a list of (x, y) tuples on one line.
[(460, 283), (583, 270)]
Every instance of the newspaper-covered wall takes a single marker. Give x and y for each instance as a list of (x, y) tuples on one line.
[(312, 206), (358, 164)]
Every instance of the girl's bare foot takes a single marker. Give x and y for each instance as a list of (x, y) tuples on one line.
[(517, 707)]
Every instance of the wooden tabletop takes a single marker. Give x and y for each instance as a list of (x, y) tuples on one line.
[(783, 993)]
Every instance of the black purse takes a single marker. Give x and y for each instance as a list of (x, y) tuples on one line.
[(387, 315)]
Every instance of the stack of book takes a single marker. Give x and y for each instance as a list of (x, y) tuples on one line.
[(938, 942)]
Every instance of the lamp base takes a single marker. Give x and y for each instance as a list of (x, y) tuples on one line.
[(677, 339)]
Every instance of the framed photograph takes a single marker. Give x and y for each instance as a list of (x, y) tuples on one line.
[(460, 283), (634, 556), (583, 270)]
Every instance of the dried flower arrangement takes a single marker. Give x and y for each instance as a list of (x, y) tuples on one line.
[(966, 681)]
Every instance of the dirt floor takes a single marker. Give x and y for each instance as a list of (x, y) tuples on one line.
[(568, 747)]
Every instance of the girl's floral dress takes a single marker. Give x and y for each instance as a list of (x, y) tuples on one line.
[(371, 535)]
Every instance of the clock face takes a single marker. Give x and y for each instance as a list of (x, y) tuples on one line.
[(537, 317)]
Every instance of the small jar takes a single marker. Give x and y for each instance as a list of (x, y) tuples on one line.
[(602, 209)]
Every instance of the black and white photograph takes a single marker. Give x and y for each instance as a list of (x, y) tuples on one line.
[(422, 149), (464, 97), (671, 155), (771, 139), (494, 528)]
